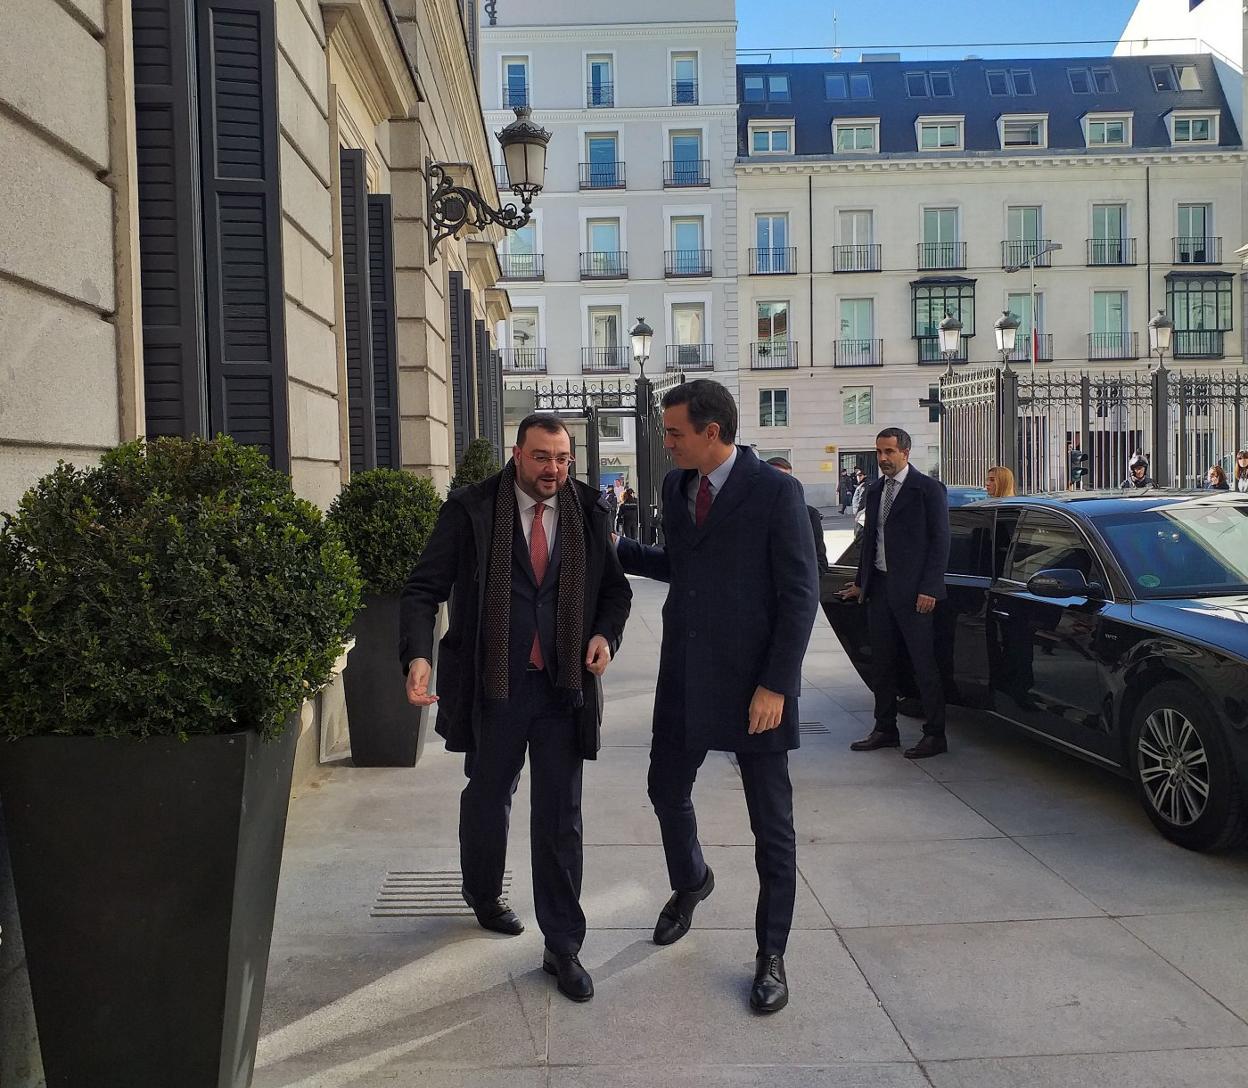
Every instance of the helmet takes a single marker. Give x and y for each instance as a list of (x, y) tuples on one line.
[(1137, 458)]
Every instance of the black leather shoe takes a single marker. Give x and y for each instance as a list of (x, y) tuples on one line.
[(677, 916), (770, 992), (571, 978), (496, 915), (926, 748), (877, 738)]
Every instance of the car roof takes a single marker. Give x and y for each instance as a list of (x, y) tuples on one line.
[(1098, 503)]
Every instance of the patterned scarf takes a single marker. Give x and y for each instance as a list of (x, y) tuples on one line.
[(570, 618)]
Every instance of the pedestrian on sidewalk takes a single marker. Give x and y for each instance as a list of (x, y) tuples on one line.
[(855, 507), (901, 576), (629, 517), (613, 503), (538, 607), (816, 518), (742, 599), (845, 491)]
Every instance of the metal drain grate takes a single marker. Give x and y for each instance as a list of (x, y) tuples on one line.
[(424, 893), (812, 729)]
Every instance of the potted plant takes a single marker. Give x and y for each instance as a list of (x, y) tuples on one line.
[(162, 617), (478, 464), (384, 517)]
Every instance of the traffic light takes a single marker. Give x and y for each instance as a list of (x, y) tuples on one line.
[(1078, 466)]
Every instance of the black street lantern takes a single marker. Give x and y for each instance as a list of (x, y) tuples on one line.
[(641, 335), (1006, 330), (456, 208)]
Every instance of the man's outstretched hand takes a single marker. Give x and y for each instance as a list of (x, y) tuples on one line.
[(418, 676)]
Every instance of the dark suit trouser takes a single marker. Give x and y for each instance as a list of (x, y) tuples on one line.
[(532, 718), (769, 798), (891, 626)]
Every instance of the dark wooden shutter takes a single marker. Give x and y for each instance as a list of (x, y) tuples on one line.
[(358, 325), (385, 339), (170, 254), (489, 391), (242, 218), (463, 400)]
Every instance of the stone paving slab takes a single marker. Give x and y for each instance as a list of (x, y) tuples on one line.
[(858, 1075), (876, 813), (1056, 801), (1211, 948), (1018, 988), (1227, 1068)]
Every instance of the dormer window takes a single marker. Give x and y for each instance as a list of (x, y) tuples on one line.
[(1107, 129), (771, 138), (856, 134), (1006, 82), (1168, 78), (939, 133), (1191, 127), (1023, 130)]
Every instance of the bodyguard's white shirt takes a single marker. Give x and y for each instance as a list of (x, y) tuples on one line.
[(550, 519), (718, 478), (880, 562)]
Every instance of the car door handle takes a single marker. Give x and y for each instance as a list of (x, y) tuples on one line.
[(998, 612)]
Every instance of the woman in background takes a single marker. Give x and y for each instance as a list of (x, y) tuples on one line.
[(1241, 471), (1000, 482), (1215, 479), (630, 513)]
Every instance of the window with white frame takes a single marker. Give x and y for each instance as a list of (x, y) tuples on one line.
[(610, 428), (857, 406), (684, 79), (600, 80), (771, 138), (515, 82), (773, 407), (939, 133), (1024, 130), (1194, 128), (689, 340), (857, 134), (1107, 130)]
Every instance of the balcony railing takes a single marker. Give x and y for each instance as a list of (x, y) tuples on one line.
[(1113, 345), (599, 94), (689, 357), (524, 360), (856, 258), (523, 266), (773, 262), (684, 173), (773, 355), (602, 175), (1197, 250), (938, 255), (929, 350), (858, 353), (1197, 344), (606, 360), (515, 95), (1018, 252), (687, 262), (1109, 251), (684, 92), (1022, 348), (604, 265)]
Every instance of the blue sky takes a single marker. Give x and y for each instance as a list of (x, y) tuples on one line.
[(777, 24)]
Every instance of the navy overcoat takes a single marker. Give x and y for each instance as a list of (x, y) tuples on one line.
[(742, 599)]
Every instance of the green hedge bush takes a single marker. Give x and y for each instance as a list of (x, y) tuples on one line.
[(179, 587), (478, 464), (384, 516)]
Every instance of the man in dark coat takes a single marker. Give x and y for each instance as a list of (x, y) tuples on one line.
[(538, 606), (812, 512), (742, 601), (901, 576)]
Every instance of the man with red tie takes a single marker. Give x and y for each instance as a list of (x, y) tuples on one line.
[(739, 558), (538, 607)]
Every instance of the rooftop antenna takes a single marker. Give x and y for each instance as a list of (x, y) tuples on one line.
[(836, 49)]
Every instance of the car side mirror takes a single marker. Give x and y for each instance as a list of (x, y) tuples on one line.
[(1060, 582)]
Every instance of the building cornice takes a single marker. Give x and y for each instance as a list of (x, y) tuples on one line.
[(802, 167), (606, 118), (373, 56), (614, 32)]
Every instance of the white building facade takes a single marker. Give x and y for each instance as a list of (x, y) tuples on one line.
[(638, 215), (874, 198)]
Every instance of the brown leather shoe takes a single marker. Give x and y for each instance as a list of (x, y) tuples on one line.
[(926, 748), (877, 738)]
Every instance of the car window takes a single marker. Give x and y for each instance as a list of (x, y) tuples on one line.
[(1002, 537), (1047, 541), (970, 542)]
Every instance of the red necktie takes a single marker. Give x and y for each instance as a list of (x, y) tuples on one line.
[(702, 506), (539, 556)]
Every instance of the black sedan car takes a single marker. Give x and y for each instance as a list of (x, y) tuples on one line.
[(1113, 626)]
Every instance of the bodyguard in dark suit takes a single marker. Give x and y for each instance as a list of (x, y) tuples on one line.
[(538, 606), (812, 512), (743, 596), (901, 575)]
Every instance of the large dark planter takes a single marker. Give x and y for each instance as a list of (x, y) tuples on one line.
[(146, 876), (386, 730)]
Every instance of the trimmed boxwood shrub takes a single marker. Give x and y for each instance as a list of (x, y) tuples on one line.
[(384, 516), (478, 464), (179, 587)]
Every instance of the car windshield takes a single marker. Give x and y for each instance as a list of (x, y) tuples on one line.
[(1183, 550)]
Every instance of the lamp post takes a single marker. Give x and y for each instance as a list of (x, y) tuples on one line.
[(642, 335), (950, 330), (1160, 333), (1006, 331), (455, 207), (1030, 262)]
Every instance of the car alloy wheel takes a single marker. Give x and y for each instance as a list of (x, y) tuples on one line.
[(1173, 767)]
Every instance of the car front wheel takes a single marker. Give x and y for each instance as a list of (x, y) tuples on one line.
[(1184, 772)]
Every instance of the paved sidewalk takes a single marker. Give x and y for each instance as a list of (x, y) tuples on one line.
[(1000, 917)]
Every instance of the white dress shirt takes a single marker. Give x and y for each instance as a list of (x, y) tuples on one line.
[(718, 478), (880, 562), (550, 519)]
